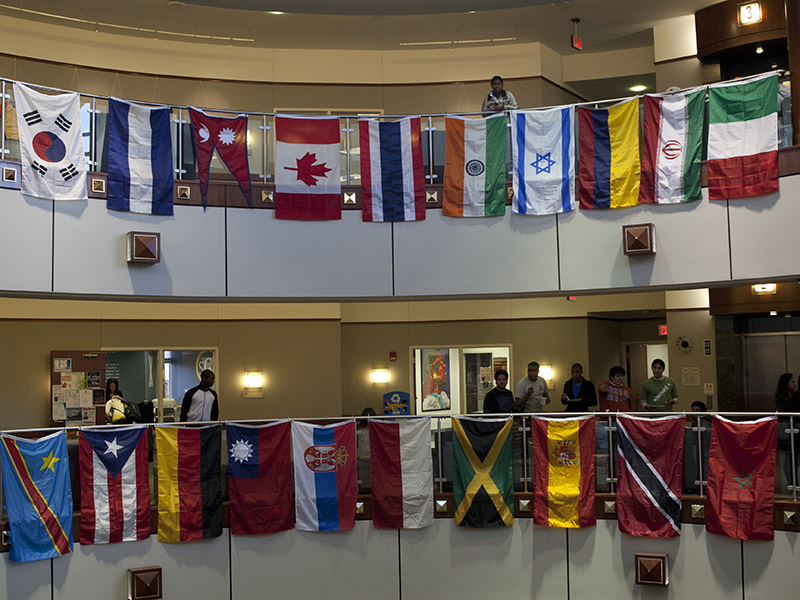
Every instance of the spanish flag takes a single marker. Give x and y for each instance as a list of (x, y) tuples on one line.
[(563, 472), (609, 167), (189, 483)]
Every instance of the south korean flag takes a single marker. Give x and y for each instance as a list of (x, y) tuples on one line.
[(53, 164)]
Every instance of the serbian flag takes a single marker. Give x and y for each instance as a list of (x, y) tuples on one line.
[(189, 483), (741, 478), (51, 144), (402, 473), (649, 470), (325, 476), (307, 184), (229, 137), (260, 478), (139, 158), (563, 472), (608, 144), (474, 167), (544, 161), (115, 485), (743, 137), (672, 147), (392, 173), (38, 496)]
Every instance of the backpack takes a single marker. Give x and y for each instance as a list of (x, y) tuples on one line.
[(132, 412)]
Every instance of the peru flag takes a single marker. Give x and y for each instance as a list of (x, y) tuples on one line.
[(229, 137), (307, 184), (115, 485), (649, 470), (402, 473), (325, 476)]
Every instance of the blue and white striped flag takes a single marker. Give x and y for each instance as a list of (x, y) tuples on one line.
[(139, 158), (544, 161)]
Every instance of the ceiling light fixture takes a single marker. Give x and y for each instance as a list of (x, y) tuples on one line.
[(457, 42), (759, 50), (638, 88)]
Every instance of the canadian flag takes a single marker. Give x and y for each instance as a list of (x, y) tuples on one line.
[(307, 186), (229, 137)]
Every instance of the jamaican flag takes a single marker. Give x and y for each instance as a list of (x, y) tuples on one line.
[(483, 486)]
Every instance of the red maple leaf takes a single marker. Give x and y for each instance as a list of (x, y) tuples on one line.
[(307, 171)]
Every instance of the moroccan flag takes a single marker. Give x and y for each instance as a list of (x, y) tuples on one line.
[(563, 472), (608, 171), (741, 478), (392, 173), (544, 161), (402, 473), (189, 483), (483, 474), (325, 475), (115, 485), (139, 158), (38, 496), (229, 137), (474, 167), (307, 184), (51, 144), (672, 147), (260, 478), (649, 471)]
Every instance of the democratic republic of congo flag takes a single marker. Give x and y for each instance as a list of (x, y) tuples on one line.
[(483, 478), (563, 472)]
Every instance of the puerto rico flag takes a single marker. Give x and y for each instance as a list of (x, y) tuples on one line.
[(402, 473), (307, 184), (229, 137), (115, 485), (325, 476), (650, 467), (51, 144), (139, 158), (260, 478), (392, 173)]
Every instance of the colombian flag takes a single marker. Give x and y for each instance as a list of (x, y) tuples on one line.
[(189, 483), (608, 143), (563, 472)]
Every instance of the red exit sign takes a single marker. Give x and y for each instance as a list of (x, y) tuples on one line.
[(577, 43), (662, 330)]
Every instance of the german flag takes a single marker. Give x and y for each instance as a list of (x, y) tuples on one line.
[(483, 485), (189, 483)]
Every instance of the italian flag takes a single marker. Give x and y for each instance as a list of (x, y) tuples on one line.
[(672, 149), (743, 138), (474, 167)]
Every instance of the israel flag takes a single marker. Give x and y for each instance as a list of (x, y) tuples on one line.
[(139, 158), (544, 161)]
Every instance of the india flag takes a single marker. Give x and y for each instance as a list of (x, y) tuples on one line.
[(544, 161), (474, 177), (672, 147), (563, 470), (743, 138)]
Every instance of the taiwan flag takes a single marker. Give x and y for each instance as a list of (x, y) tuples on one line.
[(325, 475), (260, 478), (115, 485), (229, 137), (307, 185)]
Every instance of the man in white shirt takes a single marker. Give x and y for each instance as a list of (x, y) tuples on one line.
[(200, 402), (531, 391)]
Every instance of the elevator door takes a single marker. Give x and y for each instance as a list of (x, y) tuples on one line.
[(766, 357)]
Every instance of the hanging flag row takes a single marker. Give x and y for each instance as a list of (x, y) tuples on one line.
[(612, 172)]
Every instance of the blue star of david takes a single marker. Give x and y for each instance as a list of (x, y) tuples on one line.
[(543, 159)]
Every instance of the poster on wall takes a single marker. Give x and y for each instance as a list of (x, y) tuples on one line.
[(437, 382)]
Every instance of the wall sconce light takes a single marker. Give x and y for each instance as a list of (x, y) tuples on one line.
[(253, 385), (546, 372), (380, 375), (764, 288)]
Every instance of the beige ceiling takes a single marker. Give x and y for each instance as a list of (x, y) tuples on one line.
[(605, 24)]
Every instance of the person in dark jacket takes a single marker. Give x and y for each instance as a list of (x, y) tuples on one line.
[(579, 393)]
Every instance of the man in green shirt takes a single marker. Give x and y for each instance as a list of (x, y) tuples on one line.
[(658, 392)]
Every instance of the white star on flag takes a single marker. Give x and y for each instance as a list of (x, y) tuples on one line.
[(113, 447)]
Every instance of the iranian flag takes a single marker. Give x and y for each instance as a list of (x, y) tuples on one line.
[(474, 167), (672, 148), (743, 138)]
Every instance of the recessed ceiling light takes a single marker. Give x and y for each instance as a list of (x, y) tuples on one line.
[(276, 12), (759, 50), (638, 88), (176, 5)]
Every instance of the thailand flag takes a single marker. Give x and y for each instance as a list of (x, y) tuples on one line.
[(325, 476), (139, 158), (115, 485), (392, 173)]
